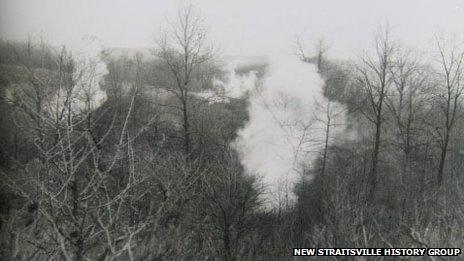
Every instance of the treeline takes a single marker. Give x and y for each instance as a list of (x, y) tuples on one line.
[(399, 182), (148, 173)]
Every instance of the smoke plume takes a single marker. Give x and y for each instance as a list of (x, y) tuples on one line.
[(286, 128), (89, 72)]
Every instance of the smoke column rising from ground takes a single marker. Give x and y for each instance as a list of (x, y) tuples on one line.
[(283, 133)]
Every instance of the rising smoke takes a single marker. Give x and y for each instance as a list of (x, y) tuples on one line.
[(286, 127), (89, 72)]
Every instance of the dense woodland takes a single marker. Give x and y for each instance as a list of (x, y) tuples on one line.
[(150, 173)]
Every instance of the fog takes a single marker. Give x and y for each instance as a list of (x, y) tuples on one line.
[(272, 144), (230, 130), (238, 27), (283, 128)]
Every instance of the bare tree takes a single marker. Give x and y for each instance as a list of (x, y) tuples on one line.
[(184, 51), (73, 203), (375, 80), (231, 200), (449, 99), (332, 112), (406, 105)]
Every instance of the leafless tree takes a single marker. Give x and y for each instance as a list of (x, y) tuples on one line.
[(449, 99), (231, 199), (73, 204), (406, 104), (375, 80), (184, 50)]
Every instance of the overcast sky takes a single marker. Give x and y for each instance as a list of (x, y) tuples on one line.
[(238, 27)]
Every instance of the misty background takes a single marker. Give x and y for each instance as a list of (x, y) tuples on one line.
[(238, 27), (206, 130)]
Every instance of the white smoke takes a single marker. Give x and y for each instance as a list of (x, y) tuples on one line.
[(89, 72), (87, 75), (238, 84), (235, 84), (286, 129)]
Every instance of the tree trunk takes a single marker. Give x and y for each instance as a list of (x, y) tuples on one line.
[(186, 127), (326, 144), (375, 160), (441, 166)]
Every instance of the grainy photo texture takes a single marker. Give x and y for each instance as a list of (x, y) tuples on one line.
[(231, 130)]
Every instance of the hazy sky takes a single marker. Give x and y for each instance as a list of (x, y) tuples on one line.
[(242, 27)]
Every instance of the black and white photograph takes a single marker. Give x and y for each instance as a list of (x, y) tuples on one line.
[(238, 130)]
